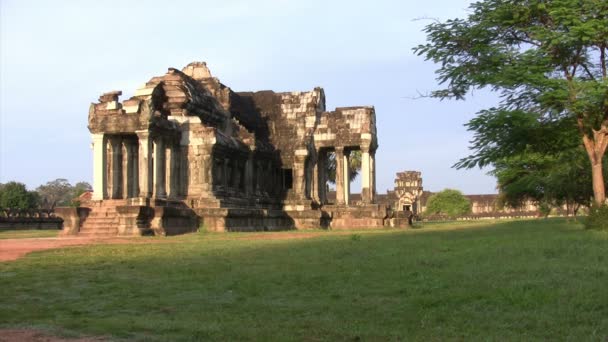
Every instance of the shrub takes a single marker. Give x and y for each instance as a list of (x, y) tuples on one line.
[(448, 202), (598, 218)]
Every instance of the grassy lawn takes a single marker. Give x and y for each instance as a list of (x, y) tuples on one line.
[(29, 233), (519, 280)]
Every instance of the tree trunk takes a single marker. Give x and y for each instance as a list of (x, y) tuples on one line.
[(596, 148), (599, 190)]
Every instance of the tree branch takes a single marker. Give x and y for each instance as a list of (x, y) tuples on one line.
[(588, 72)]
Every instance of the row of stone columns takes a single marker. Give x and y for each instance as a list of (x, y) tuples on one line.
[(249, 176), (143, 172), (368, 176)]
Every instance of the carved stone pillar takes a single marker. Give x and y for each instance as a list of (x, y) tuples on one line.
[(117, 190), (160, 169), (299, 173), (174, 167), (346, 175), (322, 176), (258, 176), (314, 181), (366, 195), (131, 175), (372, 171), (227, 173), (236, 175), (340, 176), (218, 173), (145, 164), (99, 167), (249, 179)]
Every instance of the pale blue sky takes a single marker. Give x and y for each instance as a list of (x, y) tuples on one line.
[(56, 57)]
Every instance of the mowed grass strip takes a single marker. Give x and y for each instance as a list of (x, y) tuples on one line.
[(28, 233), (540, 279)]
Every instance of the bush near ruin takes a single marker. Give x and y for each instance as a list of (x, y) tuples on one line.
[(598, 218), (448, 202)]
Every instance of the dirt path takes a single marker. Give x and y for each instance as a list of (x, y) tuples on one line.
[(30, 335), (13, 249)]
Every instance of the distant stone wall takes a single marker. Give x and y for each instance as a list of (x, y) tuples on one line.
[(482, 216), (11, 218)]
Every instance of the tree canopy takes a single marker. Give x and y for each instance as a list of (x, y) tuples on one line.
[(60, 192), (534, 159), (15, 195), (546, 59), (354, 166), (448, 202)]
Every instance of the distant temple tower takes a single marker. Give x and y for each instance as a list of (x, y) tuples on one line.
[(408, 189)]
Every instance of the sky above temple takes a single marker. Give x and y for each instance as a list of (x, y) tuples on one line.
[(56, 57)]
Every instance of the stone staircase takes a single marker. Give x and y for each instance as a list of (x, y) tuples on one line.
[(102, 221)]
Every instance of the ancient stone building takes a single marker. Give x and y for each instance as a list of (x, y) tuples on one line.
[(405, 196), (404, 201), (186, 152)]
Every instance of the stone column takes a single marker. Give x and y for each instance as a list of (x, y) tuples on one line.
[(226, 173), (131, 177), (340, 176), (249, 180), (145, 162), (99, 167), (346, 175), (258, 176), (174, 167), (366, 195), (322, 176), (299, 173), (116, 143), (160, 168), (236, 175), (372, 172), (217, 172), (314, 182)]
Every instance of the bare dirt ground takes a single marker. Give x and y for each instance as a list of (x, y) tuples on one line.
[(30, 335), (13, 249)]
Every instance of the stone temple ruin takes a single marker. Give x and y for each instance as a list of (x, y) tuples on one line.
[(187, 152)]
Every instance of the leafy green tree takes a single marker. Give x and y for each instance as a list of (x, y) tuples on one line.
[(546, 58), (16, 195), (534, 159), (552, 180), (448, 202)]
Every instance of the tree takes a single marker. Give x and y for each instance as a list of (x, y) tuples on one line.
[(354, 166), (15, 195), (546, 58), (60, 192), (56, 193), (549, 180), (448, 202), (80, 188), (534, 159)]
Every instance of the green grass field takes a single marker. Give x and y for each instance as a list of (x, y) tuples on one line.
[(518, 280), (28, 233)]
